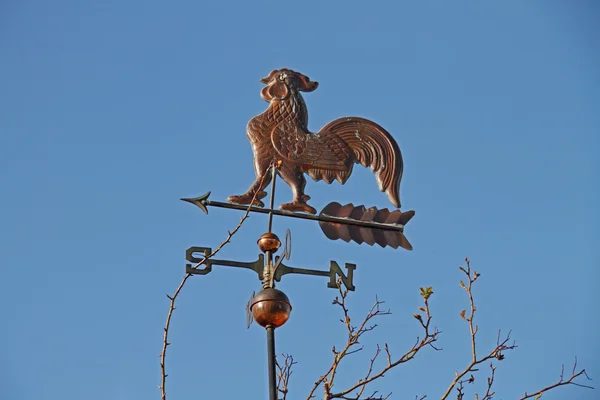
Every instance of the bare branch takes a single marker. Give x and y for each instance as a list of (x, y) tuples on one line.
[(173, 297), (502, 345), (497, 352), (283, 374), (321, 380), (461, 379), (459, 389), (561, 382), (489, 393), (351, 346), (362, 389)]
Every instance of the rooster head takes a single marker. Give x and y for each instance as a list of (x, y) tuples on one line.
[(282, 82)]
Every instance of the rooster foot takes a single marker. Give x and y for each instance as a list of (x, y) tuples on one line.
[(247, 199), (298, 206)]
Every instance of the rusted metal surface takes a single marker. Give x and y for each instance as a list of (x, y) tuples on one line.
[(280, 139), (369, 233)]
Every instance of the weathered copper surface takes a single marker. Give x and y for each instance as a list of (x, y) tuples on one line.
[(280, 137), (366, 234), (269, 242), (271, 307)]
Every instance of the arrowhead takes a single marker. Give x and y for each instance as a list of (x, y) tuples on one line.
[(199, 201)]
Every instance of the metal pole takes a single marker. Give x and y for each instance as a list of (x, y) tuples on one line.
[(271, 283), (271, 361), (268, 271), (272, 202)]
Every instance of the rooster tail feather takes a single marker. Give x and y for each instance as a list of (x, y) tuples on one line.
[(373, 147)]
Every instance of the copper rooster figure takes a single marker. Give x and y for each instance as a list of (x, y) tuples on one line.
[(280, 139)]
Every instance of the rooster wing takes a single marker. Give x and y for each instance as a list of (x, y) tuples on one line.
[(324, 156), (331, 153)]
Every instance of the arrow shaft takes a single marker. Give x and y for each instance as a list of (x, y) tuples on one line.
[(320, 218)]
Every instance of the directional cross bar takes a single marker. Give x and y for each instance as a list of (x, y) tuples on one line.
[(257, 266), (333, 273)]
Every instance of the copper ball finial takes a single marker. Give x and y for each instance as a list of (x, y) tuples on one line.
[(271, 307), (269, 242)]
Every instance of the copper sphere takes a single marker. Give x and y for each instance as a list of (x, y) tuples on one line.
[(269, 242), (271, 307)]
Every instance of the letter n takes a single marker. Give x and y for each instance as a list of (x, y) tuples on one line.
[(335, 271)]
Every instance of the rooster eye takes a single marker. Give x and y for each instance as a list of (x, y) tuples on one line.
[(282, 77)]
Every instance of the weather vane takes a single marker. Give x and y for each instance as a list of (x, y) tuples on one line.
[(283, 146)]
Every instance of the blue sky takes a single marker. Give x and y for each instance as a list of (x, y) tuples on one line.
[(113, 110)]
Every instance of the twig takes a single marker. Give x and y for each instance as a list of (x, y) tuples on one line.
[(459, 389), (283, 374), (497, 352), (172, 298), (561, 382), (355, 333), (490, 382)]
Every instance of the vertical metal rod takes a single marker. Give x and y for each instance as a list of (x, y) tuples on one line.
[(271, 283), (273, 178), (271, 361)]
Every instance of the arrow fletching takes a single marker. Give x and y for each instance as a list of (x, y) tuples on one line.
[(379, 226)]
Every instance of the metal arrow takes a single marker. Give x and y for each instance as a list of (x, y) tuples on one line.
[(202, 202)]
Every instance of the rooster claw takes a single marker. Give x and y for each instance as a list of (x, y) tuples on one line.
[(298, 206), (244, 199)]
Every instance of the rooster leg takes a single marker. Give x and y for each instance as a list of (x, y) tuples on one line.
[(295, 178), (262, 180)]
